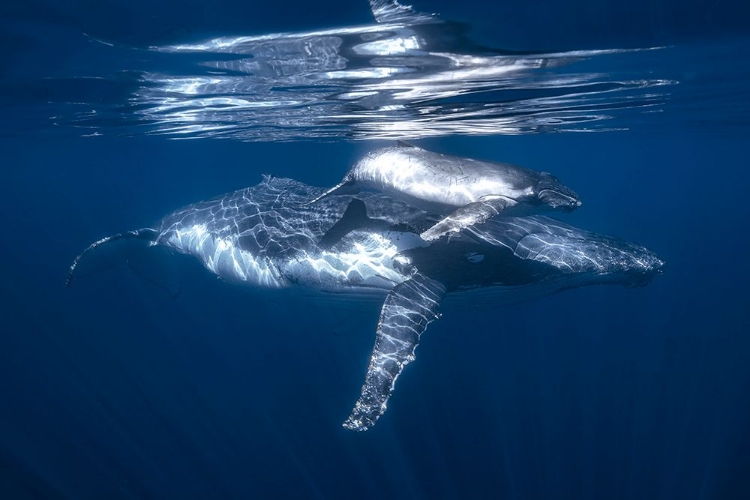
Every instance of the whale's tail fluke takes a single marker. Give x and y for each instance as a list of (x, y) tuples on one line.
[(146, 234)]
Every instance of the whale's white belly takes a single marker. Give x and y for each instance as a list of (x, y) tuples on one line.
[(224, 258), (367, 261)]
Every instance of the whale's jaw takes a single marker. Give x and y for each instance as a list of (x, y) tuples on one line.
[(556, 195)]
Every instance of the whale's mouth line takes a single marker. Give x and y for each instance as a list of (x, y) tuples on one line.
[(571, 202)]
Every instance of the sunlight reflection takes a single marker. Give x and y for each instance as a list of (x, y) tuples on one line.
[(409, 77)]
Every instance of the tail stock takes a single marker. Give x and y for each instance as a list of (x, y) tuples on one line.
[(146, 234)]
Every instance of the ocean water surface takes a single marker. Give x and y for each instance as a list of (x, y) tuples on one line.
[(121, 387)]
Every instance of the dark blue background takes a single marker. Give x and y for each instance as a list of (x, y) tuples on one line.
[(534, 24), (112, 389)]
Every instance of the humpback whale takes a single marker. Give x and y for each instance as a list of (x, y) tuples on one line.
[(464, 190), (270, 235)]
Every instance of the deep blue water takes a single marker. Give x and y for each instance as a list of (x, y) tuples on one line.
[(113, 389)]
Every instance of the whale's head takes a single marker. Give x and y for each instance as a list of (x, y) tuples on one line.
[(552, 193)]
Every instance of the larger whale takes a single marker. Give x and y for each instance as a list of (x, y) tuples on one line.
[(270, 236), (464, 190)]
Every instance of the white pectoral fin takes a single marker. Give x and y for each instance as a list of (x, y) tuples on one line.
[(467, 215), (407, 311)]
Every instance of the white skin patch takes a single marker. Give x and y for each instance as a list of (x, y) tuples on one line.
[(223, 258), (368, 262), (429, 180)]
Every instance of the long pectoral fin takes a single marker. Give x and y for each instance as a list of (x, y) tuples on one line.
[(407, 311), (467, 215)]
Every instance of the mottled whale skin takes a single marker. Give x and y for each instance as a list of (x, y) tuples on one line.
[(270, 236), (465, 190)]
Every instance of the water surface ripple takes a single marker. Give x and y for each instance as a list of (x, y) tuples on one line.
[(408, 76)]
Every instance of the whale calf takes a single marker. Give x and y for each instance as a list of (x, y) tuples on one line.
[(270, 235), (466, 191)]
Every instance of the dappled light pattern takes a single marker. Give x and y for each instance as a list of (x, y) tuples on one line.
[(407, 311), (269, 236), (588, 256)]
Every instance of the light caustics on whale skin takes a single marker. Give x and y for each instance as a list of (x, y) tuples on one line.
[(569, 250), (269, 235), (274, 223), (222, 257), (242, 237), (410, 76), (369, 263), (399, 330)]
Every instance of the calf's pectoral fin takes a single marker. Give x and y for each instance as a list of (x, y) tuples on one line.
[(467, 215), (407, 310)]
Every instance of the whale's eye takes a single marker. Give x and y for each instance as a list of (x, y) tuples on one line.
[(474, 257)]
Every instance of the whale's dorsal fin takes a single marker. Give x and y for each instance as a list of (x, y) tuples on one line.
[(355, 217), (390, 11), (405, 144), (467, 215), (408, 309)]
